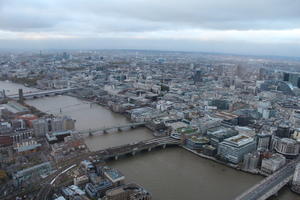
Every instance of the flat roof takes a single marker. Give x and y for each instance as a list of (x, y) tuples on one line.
[(226, 115), (239, 140), (27, 147), (114, 175)]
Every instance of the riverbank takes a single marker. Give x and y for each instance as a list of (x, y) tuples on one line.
[(236, 167)]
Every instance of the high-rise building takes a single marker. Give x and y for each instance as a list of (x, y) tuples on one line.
[(263, 141), (60, 126), (198, 76), (283, 131), (250, 162), (293, 78), (40, 127), (21, 97), (57, 124)]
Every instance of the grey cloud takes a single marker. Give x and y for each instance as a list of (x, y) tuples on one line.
[(216, 14), (17, 15), (145, 15)]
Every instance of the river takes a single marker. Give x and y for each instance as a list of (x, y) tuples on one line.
[(90, 116), (169, 174), (12, 88)]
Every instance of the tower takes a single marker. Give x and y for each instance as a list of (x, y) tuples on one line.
[(21, 97)]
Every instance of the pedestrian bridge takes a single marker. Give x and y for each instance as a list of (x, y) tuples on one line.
[(270, 185)]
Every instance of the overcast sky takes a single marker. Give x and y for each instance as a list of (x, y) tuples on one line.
[(270, 27)]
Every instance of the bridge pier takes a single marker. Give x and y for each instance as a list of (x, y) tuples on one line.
[(133, 153), (149, 149), (104, 131), (119, 129), (164, 146), (116, 157)]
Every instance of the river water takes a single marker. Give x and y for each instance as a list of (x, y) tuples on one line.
[(169, 174), (91, 116), (12, 88)]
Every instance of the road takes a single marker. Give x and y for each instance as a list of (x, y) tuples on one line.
[(268, 186)]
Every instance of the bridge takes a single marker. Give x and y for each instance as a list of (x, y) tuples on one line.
[(113, 128), (270, 185), (43, 93), (132, 149)]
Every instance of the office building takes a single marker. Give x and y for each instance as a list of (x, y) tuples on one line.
[(287, 147), (270, 165), (296, 119), (218, 134), (293, 78), (99, 189), (195, 142), (251, 161), (221, 104), (115, 176), (234, 148), (21, 177), (57, 124), (40, 127), (263, 141), (128, 192), (283, 131), (209, 150), (198, 76)]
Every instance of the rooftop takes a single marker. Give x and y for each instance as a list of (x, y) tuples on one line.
[(239, 140), (114, 175)]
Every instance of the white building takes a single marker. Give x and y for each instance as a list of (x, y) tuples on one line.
[(270, 165), (234, 148)]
